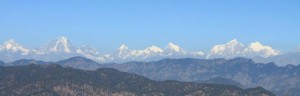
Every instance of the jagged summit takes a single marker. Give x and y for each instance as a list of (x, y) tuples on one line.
[(173, 47), (154, 49), (233, 41), (265, 51), (12, 46), (62, 48), (234, 49), (59, 44), (123, 47)]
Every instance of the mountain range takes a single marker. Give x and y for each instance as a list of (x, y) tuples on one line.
[(54, 80), (282, 80), (61, 48), (241, 72)]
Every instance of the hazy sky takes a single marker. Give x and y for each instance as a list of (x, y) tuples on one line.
[(192, 24)]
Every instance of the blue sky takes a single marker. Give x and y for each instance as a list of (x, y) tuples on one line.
[(192, 24)]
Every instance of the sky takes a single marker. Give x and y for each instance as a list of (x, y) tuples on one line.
[(195, 25)]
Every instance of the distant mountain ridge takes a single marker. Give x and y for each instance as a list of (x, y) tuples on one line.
[(282, 80), (61, 48), (54, 80), (242, 72), (234, 49)]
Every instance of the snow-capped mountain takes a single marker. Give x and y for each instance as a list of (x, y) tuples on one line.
[(12, 46), (153, 50), (58, 45), (11, 50), (61, 48), (90, 53), (87, 51), (173, 49), (54, 50), (234, 49), (148, 52), (229, 50), (124, 53), (257, 48)]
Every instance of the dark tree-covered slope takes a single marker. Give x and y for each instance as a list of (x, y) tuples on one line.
[(54, 80)]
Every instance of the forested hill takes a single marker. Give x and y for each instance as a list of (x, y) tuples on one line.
[(52, 79)]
